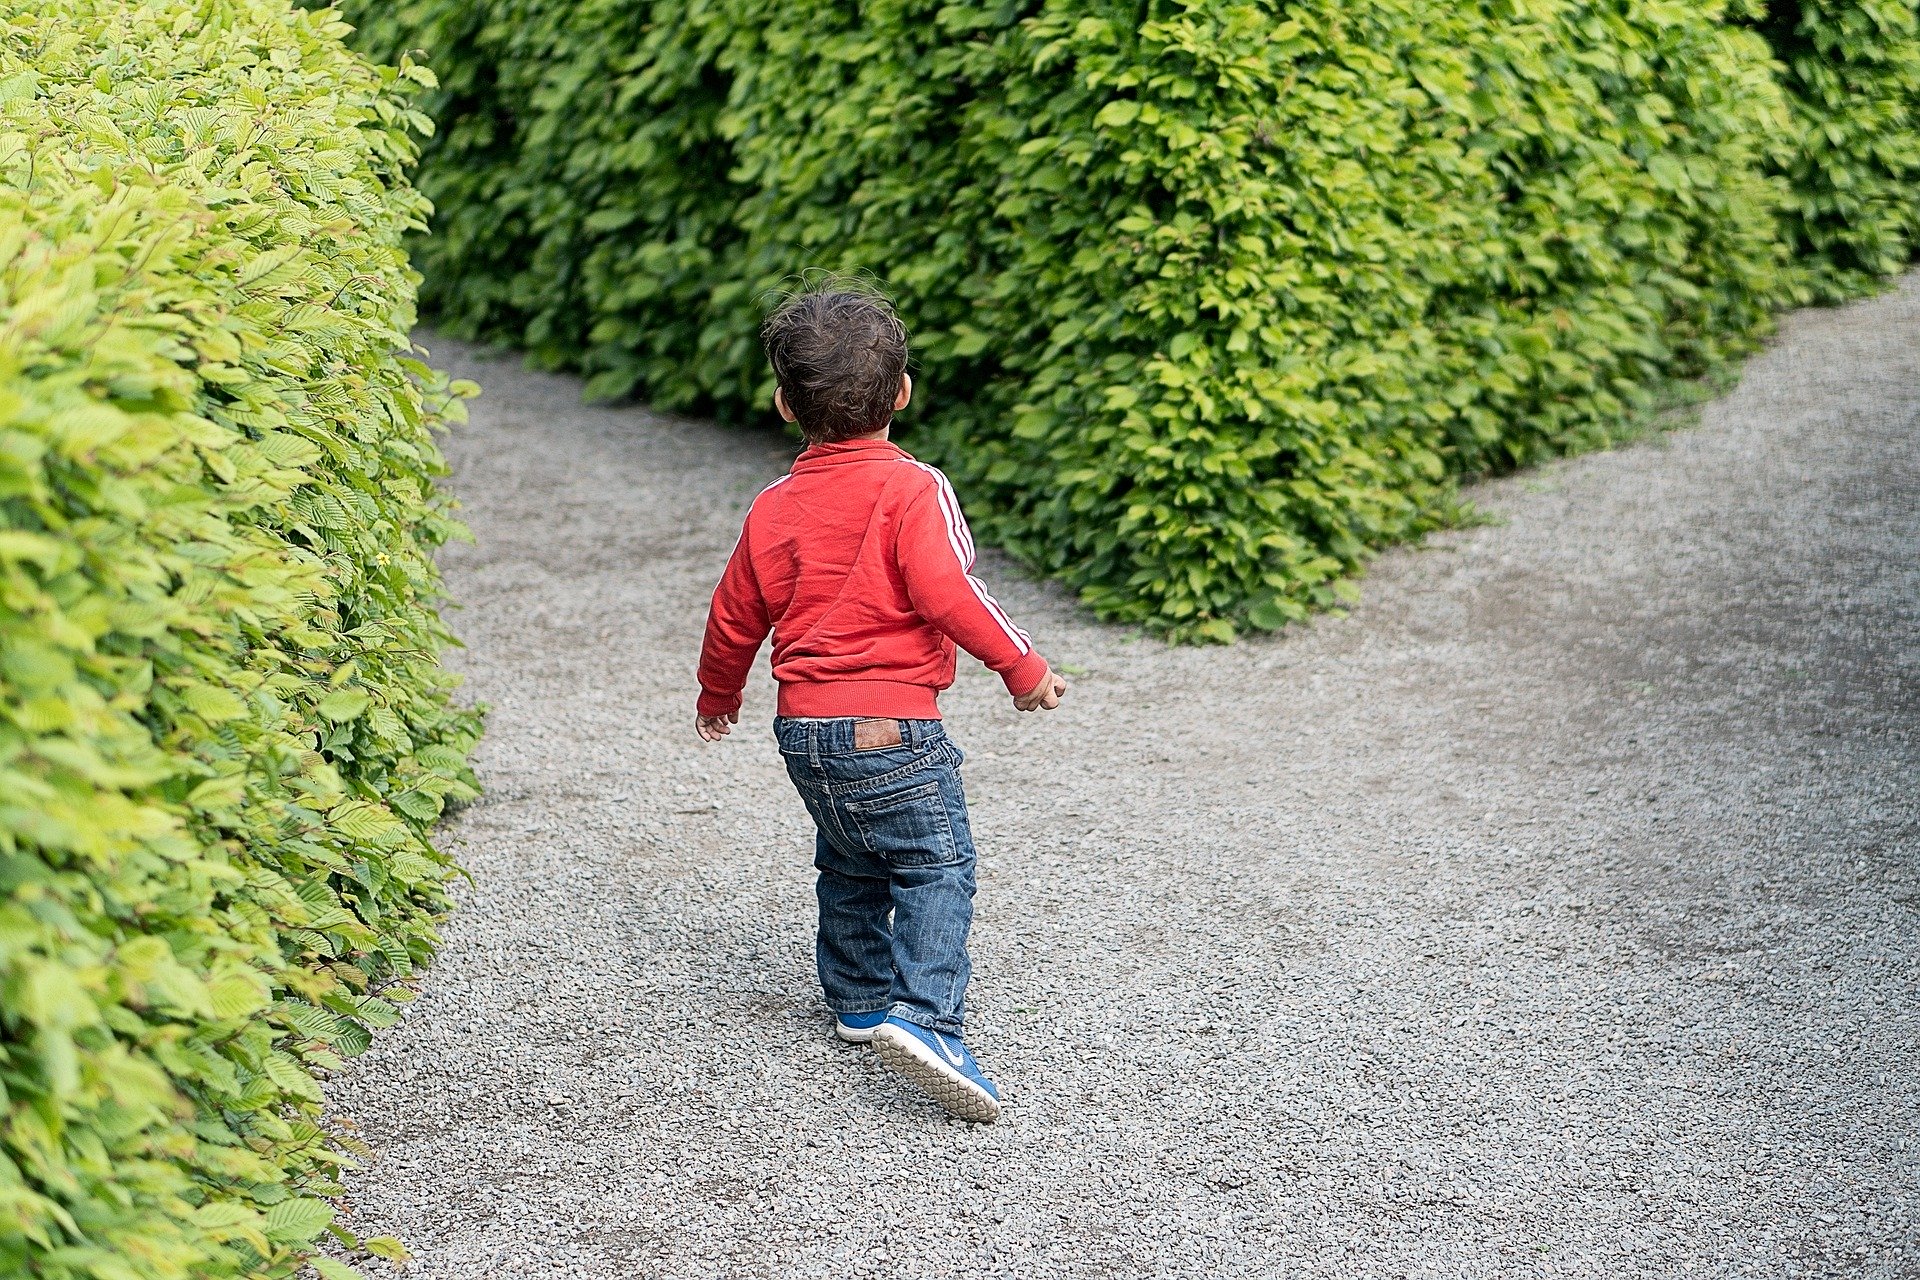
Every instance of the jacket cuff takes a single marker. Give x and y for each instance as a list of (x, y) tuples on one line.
[(1023, 675), (717, 704)]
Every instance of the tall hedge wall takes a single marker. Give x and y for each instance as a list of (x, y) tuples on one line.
[(224, 732), (1210, 299), (1852, 71)]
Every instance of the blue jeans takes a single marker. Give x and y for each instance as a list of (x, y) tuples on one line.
[(891, 839)]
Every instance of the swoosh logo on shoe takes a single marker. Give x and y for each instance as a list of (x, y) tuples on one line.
[(951, 1056)]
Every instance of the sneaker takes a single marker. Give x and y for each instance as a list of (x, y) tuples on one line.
[(939, 1064), (857, 1028)]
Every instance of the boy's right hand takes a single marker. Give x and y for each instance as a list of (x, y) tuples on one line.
[(1045, 696)]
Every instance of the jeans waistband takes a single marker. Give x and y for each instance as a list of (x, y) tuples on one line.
[(835, 737)]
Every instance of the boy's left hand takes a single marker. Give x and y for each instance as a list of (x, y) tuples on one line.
[(714, 728)]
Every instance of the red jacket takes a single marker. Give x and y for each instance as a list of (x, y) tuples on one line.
[(859, 562)]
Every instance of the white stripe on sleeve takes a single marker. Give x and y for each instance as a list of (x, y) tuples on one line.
[(960, 538), (957, 536), (1021, 640)]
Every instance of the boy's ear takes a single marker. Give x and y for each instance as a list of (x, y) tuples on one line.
[(906, 393), (780, 403)]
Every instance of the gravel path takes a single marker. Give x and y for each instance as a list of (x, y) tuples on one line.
[(1555, 913)]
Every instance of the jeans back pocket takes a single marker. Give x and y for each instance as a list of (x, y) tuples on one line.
[(910, 827)]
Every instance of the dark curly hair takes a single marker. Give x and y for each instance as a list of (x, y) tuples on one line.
[(838, 352)]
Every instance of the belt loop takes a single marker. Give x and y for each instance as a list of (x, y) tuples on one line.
[(813, 745)]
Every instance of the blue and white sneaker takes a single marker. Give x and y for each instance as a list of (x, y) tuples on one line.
[(939, 1064), (857, 1028)]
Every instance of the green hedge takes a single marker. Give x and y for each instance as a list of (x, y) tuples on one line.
[(1852, 70), (1210, 300), (224, 731)]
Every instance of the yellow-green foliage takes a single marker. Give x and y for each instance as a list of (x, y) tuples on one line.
[(224, 731)]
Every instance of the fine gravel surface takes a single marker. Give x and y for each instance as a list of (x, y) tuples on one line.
[(1555, 913)]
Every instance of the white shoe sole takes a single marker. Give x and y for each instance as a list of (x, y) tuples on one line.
[(907, 1056), (854, 1035)]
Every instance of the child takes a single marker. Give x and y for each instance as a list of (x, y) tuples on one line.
[(859, 561)]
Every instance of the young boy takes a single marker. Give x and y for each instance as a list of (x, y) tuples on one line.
[(859, 562)]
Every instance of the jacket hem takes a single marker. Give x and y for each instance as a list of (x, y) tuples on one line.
[(893, 699)]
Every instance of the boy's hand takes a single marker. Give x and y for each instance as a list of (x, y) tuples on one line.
[(714, 728), (1045, 696)]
